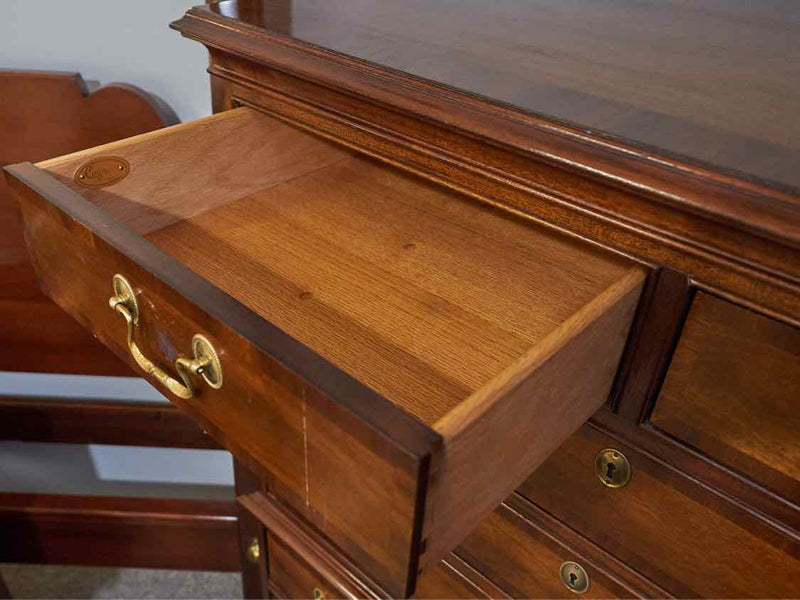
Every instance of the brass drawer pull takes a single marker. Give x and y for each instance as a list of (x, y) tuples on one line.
[(205, 363)]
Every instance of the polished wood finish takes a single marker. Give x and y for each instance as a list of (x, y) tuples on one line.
[(474, 335), (665, 302), (521, 548), (46, 114), (732, 235), (332, 229), (732, 393), (71, 421), (686, 521), (668, 527), (600, 65), (255, 573), (529, 399), (119, 532), (292, 577), (324, 560), (301, 562), (390, 480), (445, 581)]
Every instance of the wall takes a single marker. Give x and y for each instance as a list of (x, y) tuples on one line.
[(108, 41)]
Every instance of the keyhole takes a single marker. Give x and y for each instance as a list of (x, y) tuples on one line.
[(572, 579), (610, 468)]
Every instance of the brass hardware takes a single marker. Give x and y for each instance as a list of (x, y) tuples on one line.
[(254, 550), (102, 171), (206, 362), (612, 468), (574, 577), (319, 594)]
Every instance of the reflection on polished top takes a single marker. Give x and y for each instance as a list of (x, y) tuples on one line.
[(716, 83)]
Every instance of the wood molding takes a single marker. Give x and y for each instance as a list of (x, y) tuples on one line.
[(120, 532), (721, 252), (632, 582), (320, 554), (724, 197), (255, 570), (760, 505)]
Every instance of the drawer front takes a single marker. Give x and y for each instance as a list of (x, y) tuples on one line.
[(733, 392), (268, 416), (292, 577), (668, 528), (525, 559)]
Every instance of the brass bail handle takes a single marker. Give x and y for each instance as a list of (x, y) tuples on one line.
[(206, 362)]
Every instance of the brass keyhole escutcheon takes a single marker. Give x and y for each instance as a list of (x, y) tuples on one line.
[(574, 577), (612, 468), (319, 594)]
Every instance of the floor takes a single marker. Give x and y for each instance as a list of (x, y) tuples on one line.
[(38, 581)]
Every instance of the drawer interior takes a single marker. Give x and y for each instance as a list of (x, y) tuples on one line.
[(418, 349), (415, 291)]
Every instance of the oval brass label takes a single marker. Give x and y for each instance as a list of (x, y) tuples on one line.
[(102, 171)]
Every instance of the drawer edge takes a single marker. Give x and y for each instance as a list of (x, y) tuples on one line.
[(385, 417)]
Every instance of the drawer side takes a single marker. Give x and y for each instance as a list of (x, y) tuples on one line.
[(488, 447)]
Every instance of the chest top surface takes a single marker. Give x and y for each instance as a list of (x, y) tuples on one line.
[(716, 84)]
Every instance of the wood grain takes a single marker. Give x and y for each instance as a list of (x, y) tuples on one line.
[(300, 561), (546, 394), (670, 528), (409, 289), (547, 141), (45, 114), (216, 160), (651, 74), (323, 560), (295, 579), (732, 391), (665, 301), (519, 549), (255, 571), (120, 532), (729, 233), (369, 315), (259, 413)]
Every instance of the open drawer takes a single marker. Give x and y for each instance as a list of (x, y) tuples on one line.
[(396, 356)]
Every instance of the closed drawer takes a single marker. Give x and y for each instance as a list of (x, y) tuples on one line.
[(733, 392), (398, 357), (530, 560), (290, 576), (668, 528)]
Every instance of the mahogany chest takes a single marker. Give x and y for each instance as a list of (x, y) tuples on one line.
[(462, 348)]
